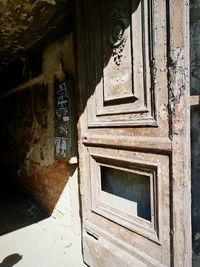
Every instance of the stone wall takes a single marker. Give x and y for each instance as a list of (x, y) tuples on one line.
[(27, 129)]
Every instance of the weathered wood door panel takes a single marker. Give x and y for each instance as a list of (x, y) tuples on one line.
[(125, 147)]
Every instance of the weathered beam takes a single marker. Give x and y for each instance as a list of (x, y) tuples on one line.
[(179, 102)]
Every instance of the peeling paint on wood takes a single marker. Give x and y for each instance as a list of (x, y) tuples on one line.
[(195, 125)]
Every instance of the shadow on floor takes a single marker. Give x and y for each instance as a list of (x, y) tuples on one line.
[(16, 210), (11, 260)]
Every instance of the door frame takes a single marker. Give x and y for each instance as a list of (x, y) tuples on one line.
[(179, 110)]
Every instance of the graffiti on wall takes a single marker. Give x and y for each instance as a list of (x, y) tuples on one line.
[(63, 120)]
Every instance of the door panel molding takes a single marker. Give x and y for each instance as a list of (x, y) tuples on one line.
[(139, 230), (125, 92), (103, 206), (154, 144)]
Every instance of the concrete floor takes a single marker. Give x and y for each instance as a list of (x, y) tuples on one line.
[(17, 210), (28, 239), (44, 244)]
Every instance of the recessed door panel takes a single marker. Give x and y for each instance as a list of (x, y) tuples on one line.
[(124, 49), (116, 41), (128, 192)]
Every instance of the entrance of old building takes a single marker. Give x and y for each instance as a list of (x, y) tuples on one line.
[(132, 60), (134, 132)]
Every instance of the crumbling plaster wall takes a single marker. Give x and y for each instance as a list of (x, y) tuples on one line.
[(27, 131), (195, 126), (24, 23)]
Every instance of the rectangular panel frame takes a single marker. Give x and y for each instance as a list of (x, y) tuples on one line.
[(140, 108), (134, 223)]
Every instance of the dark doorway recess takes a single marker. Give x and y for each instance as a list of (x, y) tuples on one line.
[(16, 209)]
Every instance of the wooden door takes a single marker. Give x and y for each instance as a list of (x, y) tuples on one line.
[(128, 157)]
